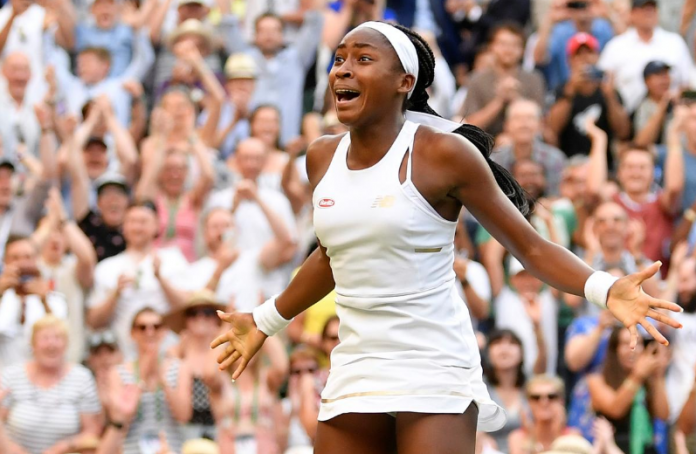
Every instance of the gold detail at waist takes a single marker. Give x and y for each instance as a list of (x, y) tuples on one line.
[(395, 393), (428, 249)]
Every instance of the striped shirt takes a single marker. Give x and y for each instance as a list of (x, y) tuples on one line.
[(154, 415), (38, 417)]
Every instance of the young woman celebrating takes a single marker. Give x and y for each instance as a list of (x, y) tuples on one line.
[(387, 196)]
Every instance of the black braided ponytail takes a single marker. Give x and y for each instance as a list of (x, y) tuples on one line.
[(482, 140)]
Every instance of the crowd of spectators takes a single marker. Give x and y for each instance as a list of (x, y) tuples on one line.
[(152, 172)]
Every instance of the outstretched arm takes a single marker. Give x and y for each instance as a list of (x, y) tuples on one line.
[(460, 164)]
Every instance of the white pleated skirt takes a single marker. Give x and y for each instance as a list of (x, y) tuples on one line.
[(407, 353)]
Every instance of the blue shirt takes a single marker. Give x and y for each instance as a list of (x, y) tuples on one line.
[(580, 414), (118, 41), (557, 70)]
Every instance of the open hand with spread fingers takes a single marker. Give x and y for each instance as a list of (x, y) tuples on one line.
[(632, 306), (243, 341)]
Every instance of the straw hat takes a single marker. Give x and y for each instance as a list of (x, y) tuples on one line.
[(200, 446), (241, 66), (571, 444), (176, 320), (192, 27)]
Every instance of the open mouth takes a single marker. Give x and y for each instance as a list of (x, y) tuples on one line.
[(346, 95)]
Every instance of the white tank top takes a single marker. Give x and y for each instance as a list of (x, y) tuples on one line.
[(382, 237), (407, 344)]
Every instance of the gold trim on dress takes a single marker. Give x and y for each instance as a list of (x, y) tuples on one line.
[(428, 249), (395, 393)]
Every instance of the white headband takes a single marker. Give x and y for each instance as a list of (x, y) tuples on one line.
[(403, 46), (408, 56)]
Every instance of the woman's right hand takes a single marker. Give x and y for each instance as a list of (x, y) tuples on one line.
[(244, 340)]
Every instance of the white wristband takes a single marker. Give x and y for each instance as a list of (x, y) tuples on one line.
[(597, 288), (268, 319)]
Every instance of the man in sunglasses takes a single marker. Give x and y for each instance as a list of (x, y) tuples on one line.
[(564, 19)]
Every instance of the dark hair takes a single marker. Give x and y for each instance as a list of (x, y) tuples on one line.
[(15, 238), (482, 140), (101, 53), (145, 310), (510, 27), (149, 204), (267, 15), (612, 371), (256, 111), (86, 108), (489, 371)]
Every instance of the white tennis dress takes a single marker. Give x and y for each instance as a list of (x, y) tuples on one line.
[(407, 344)]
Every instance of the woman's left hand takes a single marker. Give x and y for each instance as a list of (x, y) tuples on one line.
[(632, 306)]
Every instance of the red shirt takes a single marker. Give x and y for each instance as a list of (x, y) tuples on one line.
[(658, 224)]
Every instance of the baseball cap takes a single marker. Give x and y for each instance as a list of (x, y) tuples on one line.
[(571, 444), (111, 179), (655, 67), (240, 66), (582, 39), (642, 3)]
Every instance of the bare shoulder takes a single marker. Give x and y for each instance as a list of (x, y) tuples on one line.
[(319, 156), (447, 153)]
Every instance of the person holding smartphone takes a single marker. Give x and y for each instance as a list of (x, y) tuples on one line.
[(26, 297), (564, 19), (655, 111), (588, 93)]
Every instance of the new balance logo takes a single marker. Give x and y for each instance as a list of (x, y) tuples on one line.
[(384, 201)]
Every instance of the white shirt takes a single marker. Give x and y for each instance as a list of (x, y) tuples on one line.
[(240, 283), (63, 277), (145, 291), (511, 314), (15, 338), (19, 119), (680, 375), (254, 230), (27, 36), (477, 276), (626, 56)]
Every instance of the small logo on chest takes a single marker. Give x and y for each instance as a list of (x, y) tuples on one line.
[(384, 201), (326, 203)]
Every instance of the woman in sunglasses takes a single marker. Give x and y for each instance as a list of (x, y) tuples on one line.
[(197, 324), (547, 418), (630, 391), (164, 390)]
